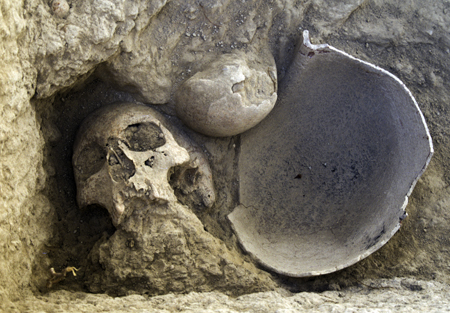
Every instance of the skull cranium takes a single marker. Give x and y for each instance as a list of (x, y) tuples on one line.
[(123, 152)]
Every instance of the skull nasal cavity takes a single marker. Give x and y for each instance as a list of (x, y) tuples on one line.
[(121, 168), (144, 136)]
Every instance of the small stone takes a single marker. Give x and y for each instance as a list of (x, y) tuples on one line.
[(60, 8), (230, 96)]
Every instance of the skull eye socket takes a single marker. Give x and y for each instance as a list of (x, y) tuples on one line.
[(90, 160), (144, 136)]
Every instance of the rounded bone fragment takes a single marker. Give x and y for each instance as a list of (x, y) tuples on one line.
[(325, 178), (230, 96)]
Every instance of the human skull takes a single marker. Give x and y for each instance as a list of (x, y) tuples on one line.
[(122, 153)]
